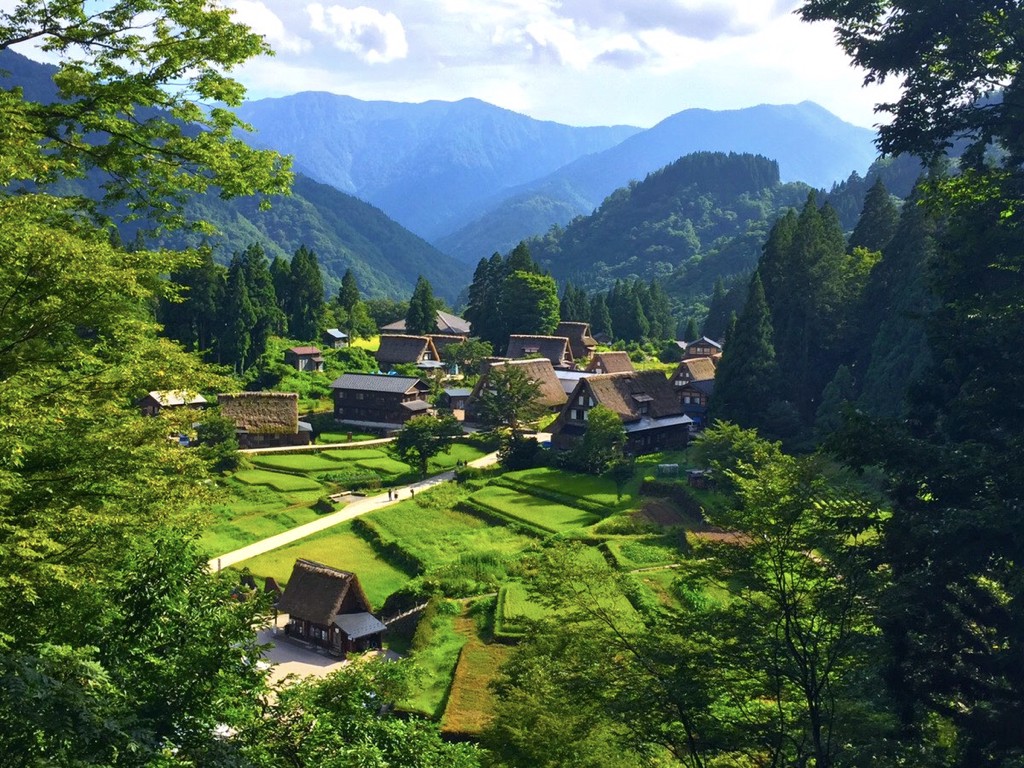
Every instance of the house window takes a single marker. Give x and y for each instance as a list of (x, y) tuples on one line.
[(643, 409), (581, 399), (686, 399)]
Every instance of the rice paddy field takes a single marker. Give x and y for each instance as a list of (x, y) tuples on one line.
[(470, 700), (535, 511), (599, 490)]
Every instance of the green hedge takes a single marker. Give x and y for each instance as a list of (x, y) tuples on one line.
[(678, 493), (388, 548)]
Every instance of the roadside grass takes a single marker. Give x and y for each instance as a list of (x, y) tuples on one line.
[(436, 647), (550, 516), (343, 437), (277, 480), (339, 547), (456, 453), (234, 533), (353, 454), (471, 702)]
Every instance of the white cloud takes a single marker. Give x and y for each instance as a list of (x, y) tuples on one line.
[(263, 21), (375, 37)]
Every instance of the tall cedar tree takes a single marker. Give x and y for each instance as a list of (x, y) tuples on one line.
[(237, 319), (421, 318), (575, 307), (192, 317), (306, 300), (348, 293), (878, 219), (529, 303), (747, 377), (270, 320), (601, 317)]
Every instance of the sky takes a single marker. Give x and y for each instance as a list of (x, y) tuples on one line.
[(580, 62)]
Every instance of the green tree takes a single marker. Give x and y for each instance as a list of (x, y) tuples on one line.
[(529, 303), (747, 377), (600, 316), (348, 293), (878, 219), (468, 355), (191, 316), (421, 317), (306, 300), (270, 320), (217, 441), (423, 437), (510, 398), (237, 320), (602, 442)]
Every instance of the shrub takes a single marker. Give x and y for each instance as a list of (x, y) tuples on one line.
[(678, 494), (353, 479)]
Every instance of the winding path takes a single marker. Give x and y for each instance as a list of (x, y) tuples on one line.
[(355, 509)]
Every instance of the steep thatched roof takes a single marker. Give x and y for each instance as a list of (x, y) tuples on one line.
[(262, 413), (554, 348), (315, 592), (627, 393), (447, 323), (404, 349), (580, 341), (610, 362), (443, 340), (169, 398), (551, 394), (695, 369)]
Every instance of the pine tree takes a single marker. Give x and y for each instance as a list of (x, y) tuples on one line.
[(520, 260), (421, 318), (600, 317), (193, 321), (238, 318), (482, 308), (306, 303), (529, 303), (690, 330), (259, 283), (746, 379), (878, 219), (281, 276), (348, 293)]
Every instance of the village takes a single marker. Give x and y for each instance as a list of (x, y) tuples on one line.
[(331, 565)]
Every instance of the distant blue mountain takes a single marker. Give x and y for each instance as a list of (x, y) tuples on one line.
[(426, 165), (809, 143)]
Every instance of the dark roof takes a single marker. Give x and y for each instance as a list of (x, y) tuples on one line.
[(262, 413), (706, 386), (303, 351), (357, 625), (316, 591), (625, 392), (706, 340), (378, 382), (447, 323), (580, 340), (458, 391), (695, 369), (404, 349), (611, 362), (554, 348), (416, 405)]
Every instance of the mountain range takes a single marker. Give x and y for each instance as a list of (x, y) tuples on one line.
[(473, 178)]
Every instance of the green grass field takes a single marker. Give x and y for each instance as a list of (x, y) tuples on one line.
[(457, 452), (436, 661), (661, 585), (342, 437), (470, 700), (599, 490), (354, 454), (295, 462), (236, 532), (533, 510), (341, 548), (385, 465), (439, 536), (642, 553), (277, 480)]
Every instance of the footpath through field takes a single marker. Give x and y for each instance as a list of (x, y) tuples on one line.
[(355, 509)]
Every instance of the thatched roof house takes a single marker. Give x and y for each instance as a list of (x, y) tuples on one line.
[(265, 419), (396, 349), (693, 369), (580, 341), (154, 402), (447, 324), (650, 411), (554, 348), (442, 341), (610, 362), (550, 394), (328, 608)]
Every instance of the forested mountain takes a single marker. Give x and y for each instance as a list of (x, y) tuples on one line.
[(430, 165), (345, 232), (809, 144), (703, 217)]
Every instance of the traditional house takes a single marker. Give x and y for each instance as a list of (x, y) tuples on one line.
[(554, 348), (334, 338), (156, 401), (455, 398), (580, 341), (377, 400), (396, 349), (447, 325), (265, 419), (304, 358), (695, 397), (610, 362), (550, 393), (644, 401), (442, 341), (692, 369), (327, 608), (569, 379), (702, 347)]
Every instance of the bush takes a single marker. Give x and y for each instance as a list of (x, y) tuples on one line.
[(523, 453), (324, 505), (353, 479), (678, 494)]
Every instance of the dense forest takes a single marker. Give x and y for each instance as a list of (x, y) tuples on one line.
[(854, 598)]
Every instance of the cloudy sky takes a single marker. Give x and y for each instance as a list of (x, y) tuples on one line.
[(581, 62)]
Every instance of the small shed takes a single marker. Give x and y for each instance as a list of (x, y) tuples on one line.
[(304, 358), (334, 338)]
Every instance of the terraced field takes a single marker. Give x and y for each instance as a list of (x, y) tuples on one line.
[(535, 511)]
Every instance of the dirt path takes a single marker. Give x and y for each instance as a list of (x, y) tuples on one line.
[(355, 509)]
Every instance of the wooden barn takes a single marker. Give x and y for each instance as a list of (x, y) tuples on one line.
[(328, 609)]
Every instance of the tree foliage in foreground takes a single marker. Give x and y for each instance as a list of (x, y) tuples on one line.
[(424, 437)]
